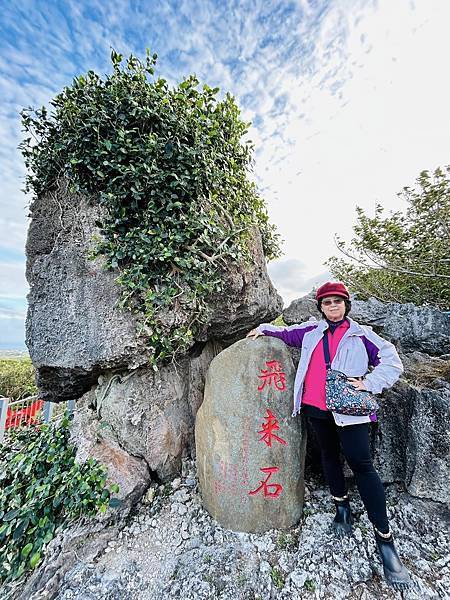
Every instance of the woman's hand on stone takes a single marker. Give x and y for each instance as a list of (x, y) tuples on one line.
[(357, 383), (254, 333)]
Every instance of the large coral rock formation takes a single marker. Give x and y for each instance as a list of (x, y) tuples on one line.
[(411, 442), (250, 451), (75, 330), (85, 347), (149, 414), (130, 472)]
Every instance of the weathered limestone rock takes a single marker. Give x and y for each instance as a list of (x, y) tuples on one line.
[(249, 294), (428, 464), (250, 471), (371, 312), (420, 328), (411, 328), (302, 309), (92, 440), (75, 330), (412, 441), (149, 415), (390, 436)]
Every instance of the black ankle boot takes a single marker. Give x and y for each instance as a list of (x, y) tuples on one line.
[(342, 523), (395, 572)]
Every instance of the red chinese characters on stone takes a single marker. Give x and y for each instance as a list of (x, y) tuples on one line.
[(229, 479), (268, 429), (273, 375), (265, 487)]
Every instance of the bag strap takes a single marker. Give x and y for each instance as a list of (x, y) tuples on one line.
[(326, 349)]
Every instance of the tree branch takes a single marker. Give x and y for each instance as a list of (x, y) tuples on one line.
[(397, 270)]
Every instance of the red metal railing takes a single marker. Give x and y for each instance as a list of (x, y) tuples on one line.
[(26, 412), (27, 415)]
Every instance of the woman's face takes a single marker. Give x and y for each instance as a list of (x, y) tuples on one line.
[(333, 307)]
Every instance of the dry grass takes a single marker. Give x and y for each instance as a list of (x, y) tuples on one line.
[(424, 373)]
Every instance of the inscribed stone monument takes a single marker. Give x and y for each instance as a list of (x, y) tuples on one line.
[(250, 450)]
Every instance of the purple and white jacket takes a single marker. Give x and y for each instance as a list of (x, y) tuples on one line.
[(359, 349)]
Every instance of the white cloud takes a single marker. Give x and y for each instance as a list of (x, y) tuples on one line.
[(12, 280), (291, 280), (349, 98), (359, 145)]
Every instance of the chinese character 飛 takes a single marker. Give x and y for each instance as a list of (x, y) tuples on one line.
[(273, 374)]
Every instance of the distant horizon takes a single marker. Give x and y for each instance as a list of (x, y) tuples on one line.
[(13, 348)]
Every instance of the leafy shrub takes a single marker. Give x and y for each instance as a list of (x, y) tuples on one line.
[(17, 378), (279, 321), (171, 171), (404, 256), (42, 489)]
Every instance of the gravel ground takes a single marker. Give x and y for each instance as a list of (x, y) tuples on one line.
[(172, 548)]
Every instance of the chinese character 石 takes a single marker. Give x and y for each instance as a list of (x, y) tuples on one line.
[(268, 429), (273, 374), (264, 486)]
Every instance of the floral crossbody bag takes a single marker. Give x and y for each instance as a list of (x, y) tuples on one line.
[(340, 395)]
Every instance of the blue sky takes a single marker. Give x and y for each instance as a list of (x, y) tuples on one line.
[(348, 100)]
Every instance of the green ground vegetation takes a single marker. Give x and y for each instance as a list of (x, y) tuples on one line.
[(17, 378), (42, 490)]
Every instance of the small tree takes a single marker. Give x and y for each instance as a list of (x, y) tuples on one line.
[(171, 169), (404, 256)]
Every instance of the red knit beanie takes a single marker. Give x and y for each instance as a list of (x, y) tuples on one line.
[(332, 288)]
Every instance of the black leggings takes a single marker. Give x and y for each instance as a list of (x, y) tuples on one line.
[(354, 440)]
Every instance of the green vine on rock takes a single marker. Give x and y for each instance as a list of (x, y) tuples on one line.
[(170, 169), (42, 490)]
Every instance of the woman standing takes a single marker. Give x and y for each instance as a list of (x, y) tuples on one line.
[(353, 348)]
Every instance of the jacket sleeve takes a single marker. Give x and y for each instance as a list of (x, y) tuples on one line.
[(388, 366), (292, 335)]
